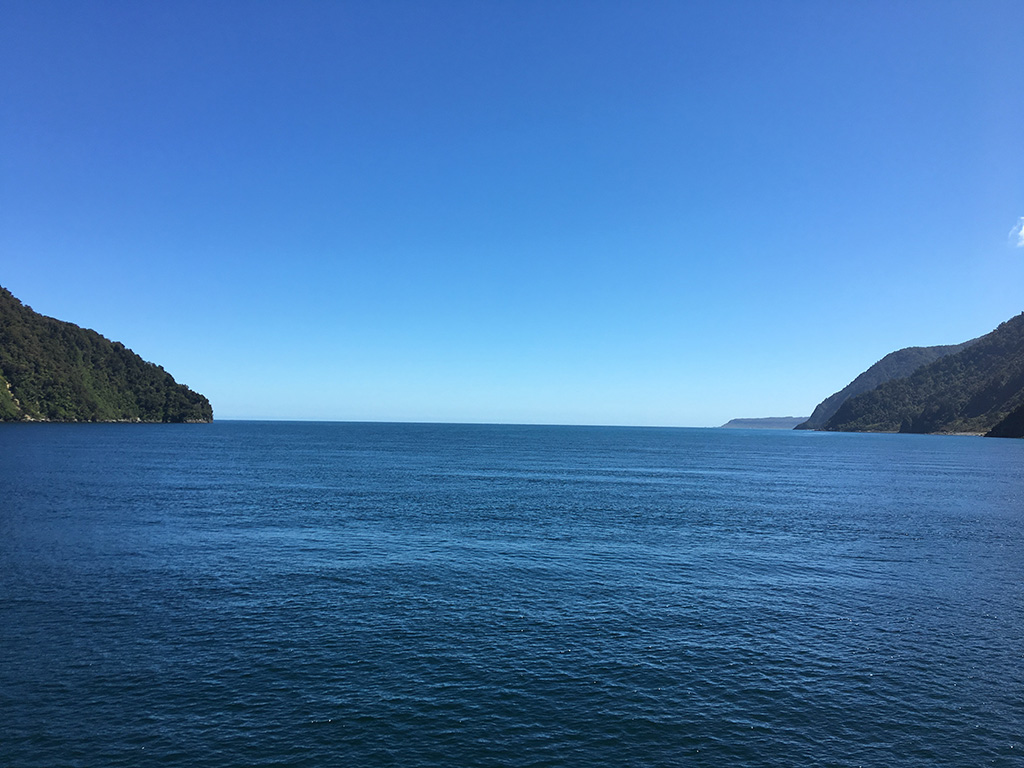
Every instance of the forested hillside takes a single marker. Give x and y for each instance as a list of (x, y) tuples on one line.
[(895, 365), (56, 371), (972, 390)]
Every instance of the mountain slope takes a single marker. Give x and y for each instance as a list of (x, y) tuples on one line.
[(972, 390), (895, 365), (56, 371)]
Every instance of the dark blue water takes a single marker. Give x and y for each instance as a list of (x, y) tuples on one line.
[(274, 594)]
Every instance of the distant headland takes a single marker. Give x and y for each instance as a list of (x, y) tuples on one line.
[(51, 370), (769, 422)]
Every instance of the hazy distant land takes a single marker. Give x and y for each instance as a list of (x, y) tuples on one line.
[(769, 422)]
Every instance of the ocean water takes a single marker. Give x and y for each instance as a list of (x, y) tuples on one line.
[(300, 594)]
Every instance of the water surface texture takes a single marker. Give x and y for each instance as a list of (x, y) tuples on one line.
[(299, 594)]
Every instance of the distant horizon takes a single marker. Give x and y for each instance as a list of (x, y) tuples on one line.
[(315, 419), (472, 423), (513, 424)]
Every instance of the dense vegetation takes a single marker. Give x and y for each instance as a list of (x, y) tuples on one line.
[(55, 371), (973, 390), (895, 365)]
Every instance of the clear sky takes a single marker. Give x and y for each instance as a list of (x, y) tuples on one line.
[(548, 212)]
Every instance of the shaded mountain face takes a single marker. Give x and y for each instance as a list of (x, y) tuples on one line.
[(1011, 426), (56, 371), (972, 390), (895, 365)]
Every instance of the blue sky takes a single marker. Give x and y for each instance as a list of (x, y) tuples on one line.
[(543, 212)]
